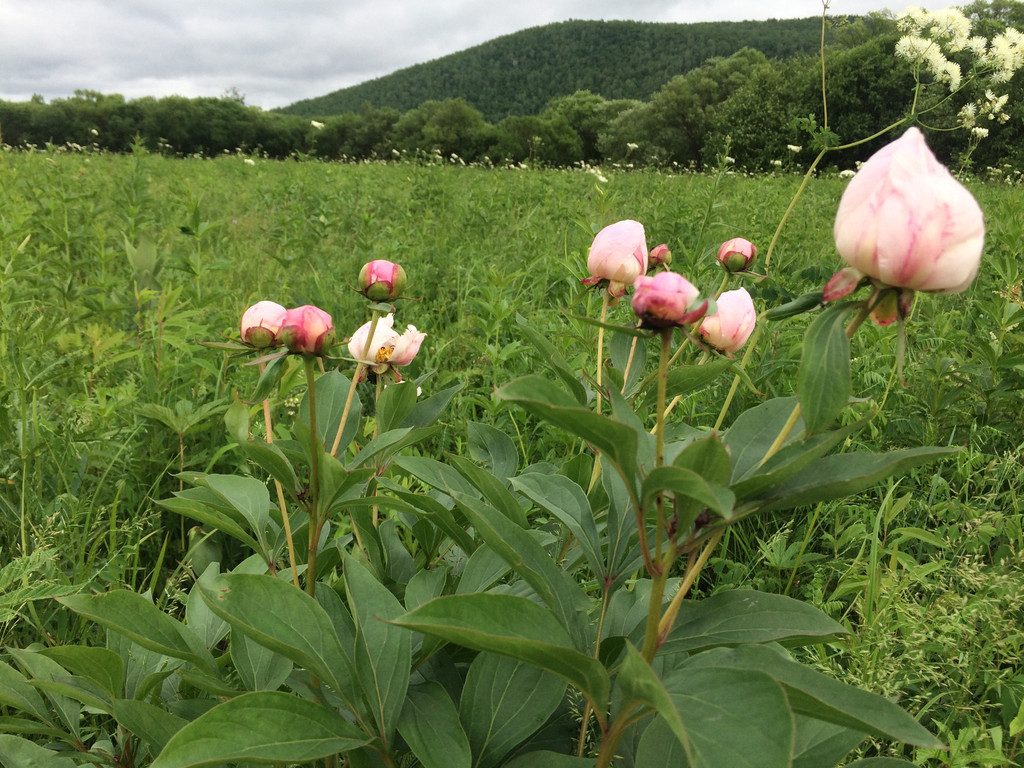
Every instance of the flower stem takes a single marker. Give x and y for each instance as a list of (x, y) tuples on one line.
[(751, 342), (665, 625), (280, 491), (315, 447), (360, 367), (600, 346)]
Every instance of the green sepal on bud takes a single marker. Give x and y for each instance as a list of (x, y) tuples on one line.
[(382, 280)]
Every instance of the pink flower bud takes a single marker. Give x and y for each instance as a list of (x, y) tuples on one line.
[(261, 323), (730, 327), (308, 330), (618, 255), (388, 347), (905, 221), (660, 254), (737, 254), (381, 280), (667, 299)]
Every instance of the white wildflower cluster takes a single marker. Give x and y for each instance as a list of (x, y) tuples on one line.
[(930, 37)]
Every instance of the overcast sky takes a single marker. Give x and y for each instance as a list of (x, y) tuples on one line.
[(276, 52)]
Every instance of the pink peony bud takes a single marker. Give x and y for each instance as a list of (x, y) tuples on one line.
[(737, 254), (308, 330), (660, 254), (381, 280), (261, 323), (905, 221), (388, 347), (730, 327), (667, 299), (618, 255)]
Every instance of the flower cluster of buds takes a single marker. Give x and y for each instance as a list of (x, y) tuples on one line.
[(619, 257), (306, 330)]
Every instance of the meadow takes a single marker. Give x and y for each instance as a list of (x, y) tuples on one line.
[(114, 269)]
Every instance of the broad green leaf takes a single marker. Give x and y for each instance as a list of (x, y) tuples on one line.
[(532, 562), (550, 355), (284, 619), (793, 457), (660, 748), (544, 399), (52, 679), (844, 474), (879, 762), (561, 497), (547, 759), (493, 489), (816, 695), (687, 379), (503, 702), (641, 685), (494, 448), (515, 627), (735, 718), (400, 564), (684, 483), (331, 391), (430, 725), (272, 460), (426, 411), (707, 457), (427, 584), (17, 752), (740, 616), (483, 570), (394, 405), (258, 667), (198, 616), (265, 727), (436, 474), (247, 495), (187, 504), (390, 443), (269, 378), (102, 666), (823, 381), (754, 431), (383, 650), (819, 743), (402, 500), (135, 617), (629, 355), (152, 724)]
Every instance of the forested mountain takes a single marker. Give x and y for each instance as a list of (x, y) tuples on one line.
[(518, 74)]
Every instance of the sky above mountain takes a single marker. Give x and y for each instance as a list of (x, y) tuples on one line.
[(276, 52)]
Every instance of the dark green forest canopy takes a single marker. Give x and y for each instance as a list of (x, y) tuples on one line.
[(518, 74)]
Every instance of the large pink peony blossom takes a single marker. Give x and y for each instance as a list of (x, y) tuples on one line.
[(618, 255), (729, 328)]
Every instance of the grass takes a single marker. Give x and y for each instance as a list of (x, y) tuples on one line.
[(113, 268)]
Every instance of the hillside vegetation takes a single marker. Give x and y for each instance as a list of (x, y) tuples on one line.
[(518, 74)]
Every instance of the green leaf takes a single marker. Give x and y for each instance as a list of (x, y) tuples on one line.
[(735, 718), (135, 617), (740, 616), (823, 381), (331, 391), (754, 431), (511, 626), (541, 397), (258, 667), (427, 410), (102, 666), (284, 619), (503, 703), (247, 495), (687, 379), (819, 743), (547, 759), (271, 459), (264, 727), (188, 504), (660, 748), (708, 457), (628, 352), (152, 724), (436, 474), (816, 695), (22, 753), (383, 650), (684, 483), (236, 419), (564, 499), (494, 448), (394, 405), (641, 685), (550, 355), (844, 474), (492, 488), (430, 725), (532, 562), (879, 762), (269, 378)]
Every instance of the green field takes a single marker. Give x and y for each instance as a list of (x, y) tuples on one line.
[(113, 269)]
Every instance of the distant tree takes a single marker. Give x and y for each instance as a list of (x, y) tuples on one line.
[(584, 112)]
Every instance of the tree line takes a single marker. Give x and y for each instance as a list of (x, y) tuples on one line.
[(758, 110)]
